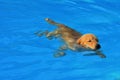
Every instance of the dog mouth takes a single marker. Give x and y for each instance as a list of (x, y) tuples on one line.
[(98, 46), (95, 48)]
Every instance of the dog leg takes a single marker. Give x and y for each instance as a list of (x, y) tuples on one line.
[(60, 52), (99, 53), (40, 33), (63, 47), (48, 34), (53, 34)]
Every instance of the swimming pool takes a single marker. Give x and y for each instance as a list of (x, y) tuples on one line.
[(24, 56)]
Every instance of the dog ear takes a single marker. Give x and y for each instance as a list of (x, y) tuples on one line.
[(79, 41)]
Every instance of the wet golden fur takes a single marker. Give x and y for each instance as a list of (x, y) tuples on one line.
[(73, 39)]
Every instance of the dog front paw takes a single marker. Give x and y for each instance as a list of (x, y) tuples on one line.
[(39, 33), (59, 54)]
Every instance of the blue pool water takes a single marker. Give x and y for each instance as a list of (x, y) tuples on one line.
[(24, 56)]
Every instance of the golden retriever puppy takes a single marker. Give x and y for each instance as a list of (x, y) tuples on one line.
[(73, 40), (89, 41)]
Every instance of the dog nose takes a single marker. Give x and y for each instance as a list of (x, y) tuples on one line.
[(98, 46)]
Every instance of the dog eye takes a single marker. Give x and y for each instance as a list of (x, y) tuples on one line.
[(89, 41)]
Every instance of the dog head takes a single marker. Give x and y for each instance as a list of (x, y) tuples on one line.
[(89, 41)]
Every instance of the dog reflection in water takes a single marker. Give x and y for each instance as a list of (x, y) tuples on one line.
[(73, 40)]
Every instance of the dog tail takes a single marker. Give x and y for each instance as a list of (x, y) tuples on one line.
[(52, 22)]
